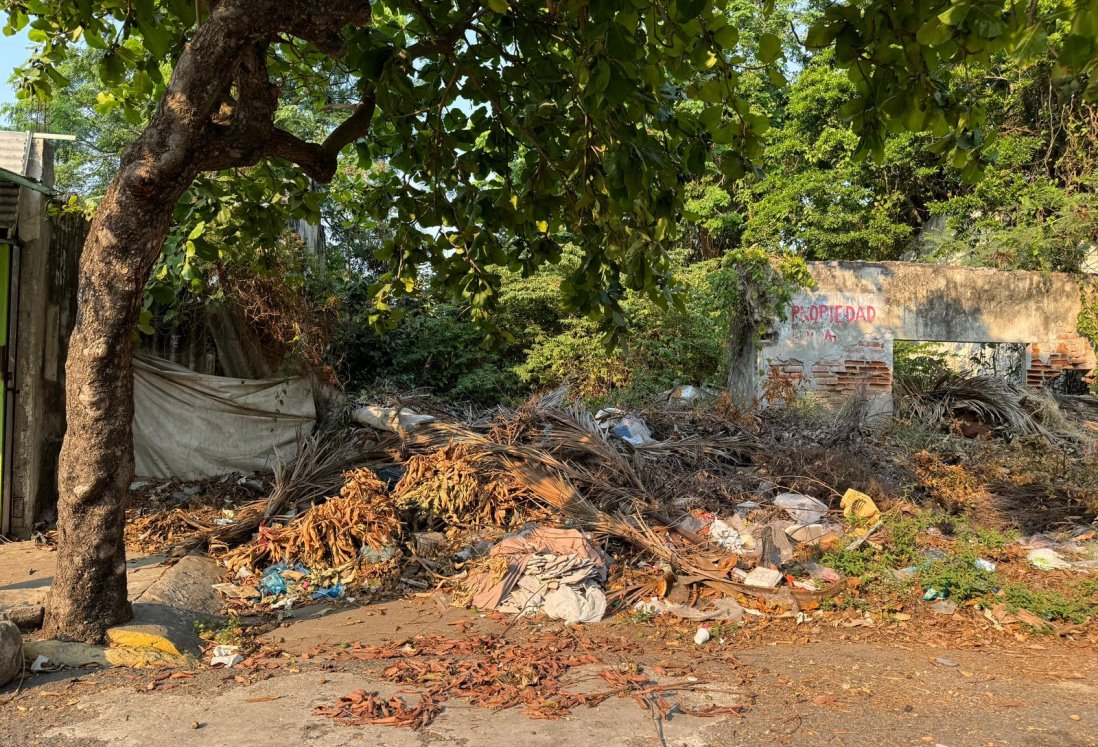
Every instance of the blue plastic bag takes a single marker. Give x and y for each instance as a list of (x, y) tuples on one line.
[(332, 592), (272, 584)]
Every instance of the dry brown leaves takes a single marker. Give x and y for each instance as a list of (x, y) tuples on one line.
[(154, 533), (442, 484), (490, 673), (362, 707), (428, 644), (493, 674), (950, 484), (456, 485), (330, 534)]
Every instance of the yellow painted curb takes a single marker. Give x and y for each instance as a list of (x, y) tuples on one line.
[(124, 637), (145, 658)]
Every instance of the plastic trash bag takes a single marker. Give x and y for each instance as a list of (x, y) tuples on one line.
[(803, 509)]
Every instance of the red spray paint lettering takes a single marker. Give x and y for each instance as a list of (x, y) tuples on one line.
[(833, 314)]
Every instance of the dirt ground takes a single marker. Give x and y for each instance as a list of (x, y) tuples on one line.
[(842, 679)]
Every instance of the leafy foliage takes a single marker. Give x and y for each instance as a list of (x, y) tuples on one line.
[(609, 148)]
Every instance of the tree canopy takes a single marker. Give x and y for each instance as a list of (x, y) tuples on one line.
[(501, 132)]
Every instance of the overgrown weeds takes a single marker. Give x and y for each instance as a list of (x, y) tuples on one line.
[(1075, 603)]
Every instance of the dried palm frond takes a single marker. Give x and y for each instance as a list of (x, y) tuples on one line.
[(991, 400), (315, 472), (152, 533), (330, 534), (441, 484)]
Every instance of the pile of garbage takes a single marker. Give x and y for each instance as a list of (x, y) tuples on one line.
[(544, 509)]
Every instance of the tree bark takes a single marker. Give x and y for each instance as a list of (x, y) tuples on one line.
[(89, 588), (193, 129)]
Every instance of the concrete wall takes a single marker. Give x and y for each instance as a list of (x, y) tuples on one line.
[(838, 338), (48, 255)]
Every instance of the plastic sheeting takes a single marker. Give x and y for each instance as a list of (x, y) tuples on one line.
[(191, 425)]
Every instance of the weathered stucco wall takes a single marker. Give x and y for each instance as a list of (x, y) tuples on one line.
[(838, 337), (46, 268)]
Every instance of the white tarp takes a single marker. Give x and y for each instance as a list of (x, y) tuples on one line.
[(190, 425)]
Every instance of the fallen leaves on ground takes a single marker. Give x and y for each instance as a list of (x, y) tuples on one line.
[(494, 674), (361, 707)]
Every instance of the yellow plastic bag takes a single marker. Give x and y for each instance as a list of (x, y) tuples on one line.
[(859, 509)]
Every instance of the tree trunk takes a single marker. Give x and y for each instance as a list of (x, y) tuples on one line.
[(96, 466), (181, 140)]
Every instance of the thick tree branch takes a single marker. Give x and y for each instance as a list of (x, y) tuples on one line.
[(318, 160), (313, 158), (322, 23), (352, 128)]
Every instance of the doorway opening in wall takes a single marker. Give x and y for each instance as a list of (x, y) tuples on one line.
[(919, 363)]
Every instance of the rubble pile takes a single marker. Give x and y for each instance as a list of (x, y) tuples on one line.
[(546, 509), (551, 509)]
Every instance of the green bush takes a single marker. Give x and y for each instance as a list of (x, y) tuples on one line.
[(535, 345)]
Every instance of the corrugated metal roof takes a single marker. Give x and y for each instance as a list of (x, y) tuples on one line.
[(15, 151), (15, 156)]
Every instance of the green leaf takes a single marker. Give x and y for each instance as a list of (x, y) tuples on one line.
[(770, 47), (1075, 52), (727, 37), (111, 68), (955, 15), (688, 10)]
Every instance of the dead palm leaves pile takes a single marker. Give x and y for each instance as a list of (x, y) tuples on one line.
[(456, 486), (154, 533), (567, 463), (328, 535), (992, 400), (547, 461)]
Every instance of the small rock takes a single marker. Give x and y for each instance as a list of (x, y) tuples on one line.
[(766, 578), (701, 636), (944, 607), (946, 662), (11, 652), (196, 725)]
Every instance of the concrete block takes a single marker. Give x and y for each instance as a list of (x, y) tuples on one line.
[(66, 653), (187, 585)]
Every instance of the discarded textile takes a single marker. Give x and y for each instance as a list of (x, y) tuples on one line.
[(540, 569), (389, 418), (191, 425), (564, 587)]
